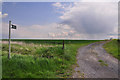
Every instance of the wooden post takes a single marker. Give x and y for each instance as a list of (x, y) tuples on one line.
[(63, 44), (9, 56)]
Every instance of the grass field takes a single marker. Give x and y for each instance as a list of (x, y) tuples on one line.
[(41, 58), (112, 48)]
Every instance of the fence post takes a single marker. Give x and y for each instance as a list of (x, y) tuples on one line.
[(63, 45)]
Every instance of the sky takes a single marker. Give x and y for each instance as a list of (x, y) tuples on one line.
[(61, 20)]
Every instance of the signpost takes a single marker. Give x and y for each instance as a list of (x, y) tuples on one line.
[(9, 40), (11, 26)]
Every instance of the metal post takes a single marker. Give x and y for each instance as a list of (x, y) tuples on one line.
[(9, 56)]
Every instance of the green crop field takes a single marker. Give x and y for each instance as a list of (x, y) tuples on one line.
[(41, 58), (112, 47)]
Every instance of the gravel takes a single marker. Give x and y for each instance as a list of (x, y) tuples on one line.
[(89, 65)]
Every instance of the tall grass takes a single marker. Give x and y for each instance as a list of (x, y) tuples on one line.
[(112, 48), (40, 62)]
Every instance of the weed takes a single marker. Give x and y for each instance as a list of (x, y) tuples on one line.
[(102, 63)]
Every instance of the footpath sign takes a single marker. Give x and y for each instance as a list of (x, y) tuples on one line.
[(11, 26)]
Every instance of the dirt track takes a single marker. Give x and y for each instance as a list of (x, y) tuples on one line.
[(89, 62)]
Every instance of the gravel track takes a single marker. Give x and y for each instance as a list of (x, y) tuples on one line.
[(89, 65)]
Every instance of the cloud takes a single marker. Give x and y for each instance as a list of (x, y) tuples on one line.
[(3, 15), (99, 0), (39, 31), (94, 20), (79, 21), (58, 5)]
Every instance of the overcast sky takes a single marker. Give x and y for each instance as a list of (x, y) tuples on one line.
[(68, 20)]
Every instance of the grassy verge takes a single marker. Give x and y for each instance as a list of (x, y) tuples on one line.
[(35, 61), (112, 48)]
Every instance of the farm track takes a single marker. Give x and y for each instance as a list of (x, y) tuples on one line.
[(94, 62)]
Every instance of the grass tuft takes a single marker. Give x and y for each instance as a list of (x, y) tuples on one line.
[(102, 63)]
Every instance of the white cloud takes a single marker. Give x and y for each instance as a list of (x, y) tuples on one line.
[(99, 0), (39, 31), (58, 4), (72, 31), (3, 15), (79, 20), (95, 20)]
